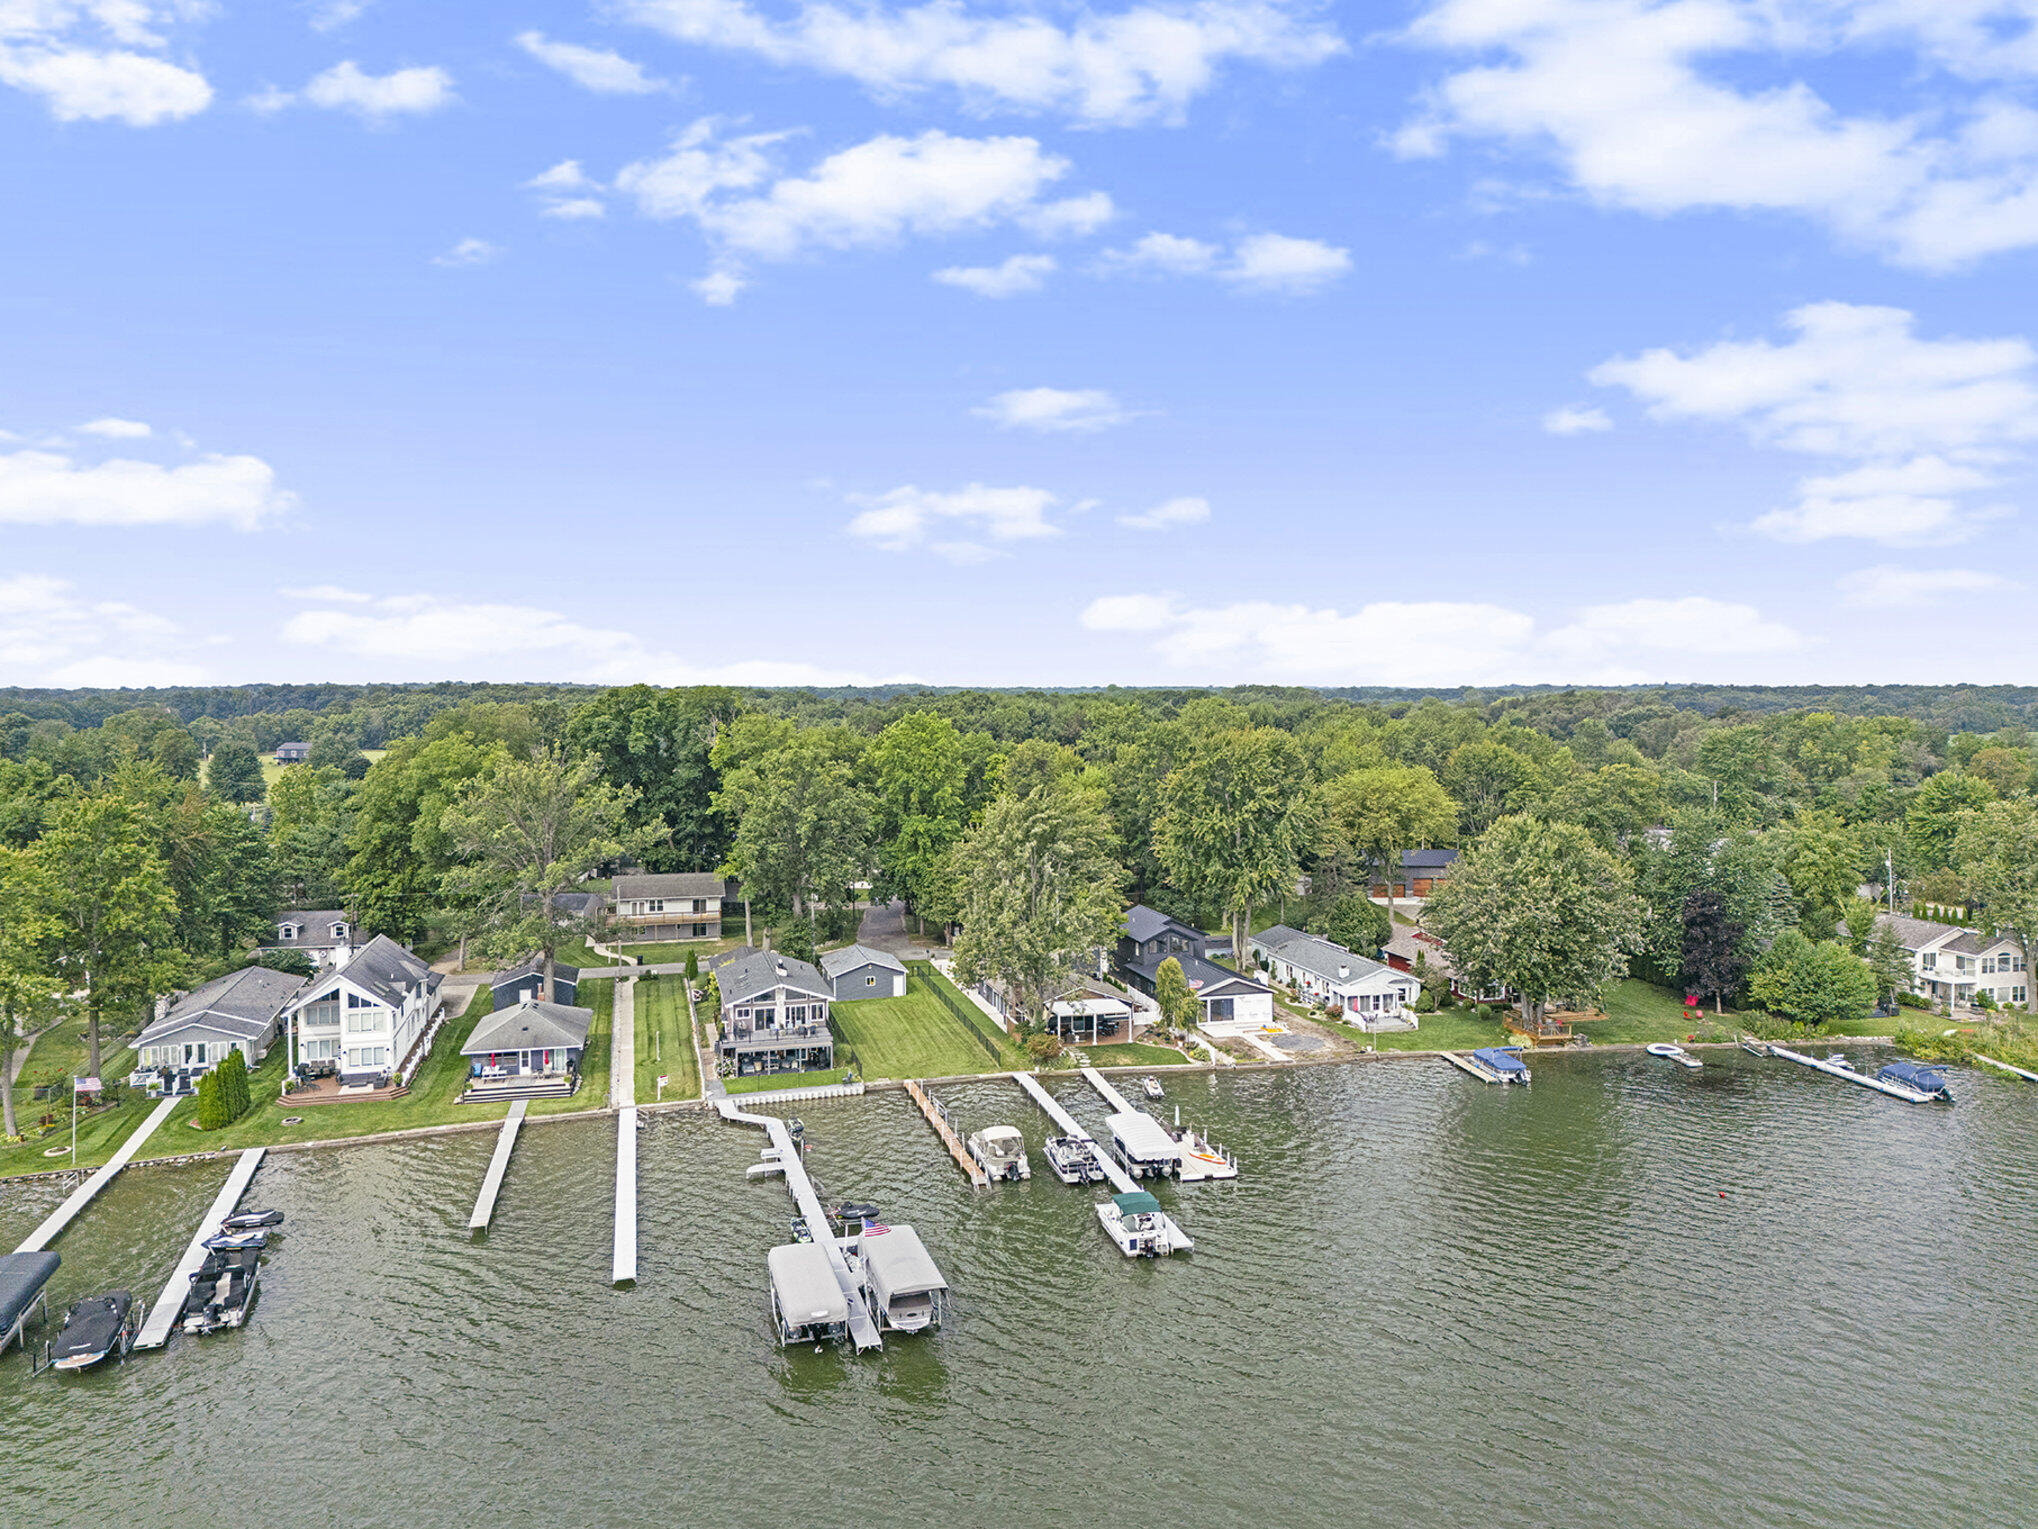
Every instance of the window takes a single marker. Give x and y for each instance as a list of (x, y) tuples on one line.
[(700, 931), (339, 931), (655, 905), (700, 905), (796, 1014), (324, 1010), (362, 1020), (356, 1001), (871, 980), (1929, 960), (286, 931)]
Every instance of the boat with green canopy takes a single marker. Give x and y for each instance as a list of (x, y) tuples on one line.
[(1139, 1226)]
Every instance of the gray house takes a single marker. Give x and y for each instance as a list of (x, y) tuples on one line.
[(857, 971), (530, 1048), (292, 753), (774, 1014), (237, 1012), (326, 935), (528, 981)]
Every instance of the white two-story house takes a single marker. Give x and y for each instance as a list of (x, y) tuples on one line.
[(682, 905), (363, 1021), (1373, 996), (1951, 965)]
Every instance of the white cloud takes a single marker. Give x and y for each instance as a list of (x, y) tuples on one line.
[(44, 488), (52, 635), (1139, 65), (1441, 642), (596, 69), (334, 14), (1009, 278), (874, 193), (1054, 409), (906, 518), (1569, 421), (379, 97), (423, 636), (566, 191), (468, 251), (116, 429), (1669, 107), (325, 594), (1917, 425), (1888, 586), (1174, 512), (1255, 263), (99, 60), (718, 289)]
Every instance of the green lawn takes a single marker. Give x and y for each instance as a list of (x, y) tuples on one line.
[(758, 1083), (664, 1041), (917, 1037), (61, 1054), (1127, 1054)]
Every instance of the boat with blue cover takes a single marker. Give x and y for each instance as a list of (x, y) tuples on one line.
[(1505, 1061), (1927, 1080)]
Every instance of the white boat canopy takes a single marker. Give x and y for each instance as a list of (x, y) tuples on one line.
[(1143, 1137), (898, 1264), (804, 1283)]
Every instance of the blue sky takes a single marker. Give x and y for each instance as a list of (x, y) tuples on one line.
[(1451, 341)]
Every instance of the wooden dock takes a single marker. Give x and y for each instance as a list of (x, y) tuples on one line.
[(84, 1194), (491, 1186), (170, 1304), (1478, 1070), (946, 1132), (623, 1271)]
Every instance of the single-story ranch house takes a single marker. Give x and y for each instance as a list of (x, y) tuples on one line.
[(857, 971), (363, 1020), (774, 1013), (237, 1012), (1372, 996), (681, 905), (531, 1049)]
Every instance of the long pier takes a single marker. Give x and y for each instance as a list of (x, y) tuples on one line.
[(1120, 1179), (1833, 1069), (170, 1304), (862, 1329), (624, 1267), (946, 1132), (83, 1195), (1119, 1103), (491, 1186)]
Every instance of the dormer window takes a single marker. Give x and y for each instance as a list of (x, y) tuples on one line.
[(339, 931), (286, 931)]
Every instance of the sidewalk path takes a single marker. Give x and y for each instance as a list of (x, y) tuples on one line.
[(623, 1045)]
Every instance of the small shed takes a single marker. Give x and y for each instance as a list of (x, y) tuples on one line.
[(859, 971), (528, 981)]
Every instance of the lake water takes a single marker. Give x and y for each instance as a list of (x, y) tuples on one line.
[(1627, 1295)]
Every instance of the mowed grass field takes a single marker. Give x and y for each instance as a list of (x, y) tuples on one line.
[(665, 1045), (916, 1036)]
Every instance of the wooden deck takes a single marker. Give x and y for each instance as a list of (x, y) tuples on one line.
[(327, 1091)]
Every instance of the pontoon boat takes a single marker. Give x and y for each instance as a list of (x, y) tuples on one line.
[(1926, 1080), (903, 1286), (93, 1329), (1074, 1160), (1001, 1152), (1504, 1060), (1140, 1227), (807, 1304)]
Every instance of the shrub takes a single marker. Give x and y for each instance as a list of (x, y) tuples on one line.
[(1907, 1000), (230, 1081), (1812, 983), (1044, 1047), (693, 967), (211, 1104)]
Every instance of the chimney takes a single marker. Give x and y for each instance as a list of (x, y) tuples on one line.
[(1343, 971)]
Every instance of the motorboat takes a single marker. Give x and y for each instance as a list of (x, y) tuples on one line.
[(1074, 1160), (905, 1290), (234, 1242), (1928, 1081), (94, 1329), (252, 1220), (1139, 1226), (1153, 1088), (1672, 1053), (223, 1290), (807, 1303), (1001, 1152)]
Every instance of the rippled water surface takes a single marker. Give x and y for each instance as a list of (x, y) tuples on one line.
[(1627, 1295)]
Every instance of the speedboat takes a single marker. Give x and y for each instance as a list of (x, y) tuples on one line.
[(1074, 1160), (93, 1329), (1928, 1081), (1152, 1085), (222, 1290), (252, 1220), (1001, 1152), (1672, 1053), (1140, 1227)]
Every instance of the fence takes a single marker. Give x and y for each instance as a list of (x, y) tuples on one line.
[(960, 1008)]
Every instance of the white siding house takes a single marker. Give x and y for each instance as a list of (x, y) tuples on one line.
[(1951, 965), (363, 1020), (1372, 996), (237, 1012)]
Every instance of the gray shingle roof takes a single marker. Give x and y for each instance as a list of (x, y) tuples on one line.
[(1143, 924), (243, 1003), (532, 1026), (673, 884), (746, 973), (1317, 956), (850, 957), (1408, 944), (385, 969), (314, 928)]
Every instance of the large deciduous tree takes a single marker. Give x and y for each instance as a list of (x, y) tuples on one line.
[(110, 894), (1812, 982), (1821, 858), (1714, 956), (401, 851), (532, 829), (1039, 891), (1997, 850), (803, 824), (928, 783), (1375, 815), (28, 985), (234, 774), (310, 814), (660, 744), (1538, 908), (1933, 819), (1233, 820)]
